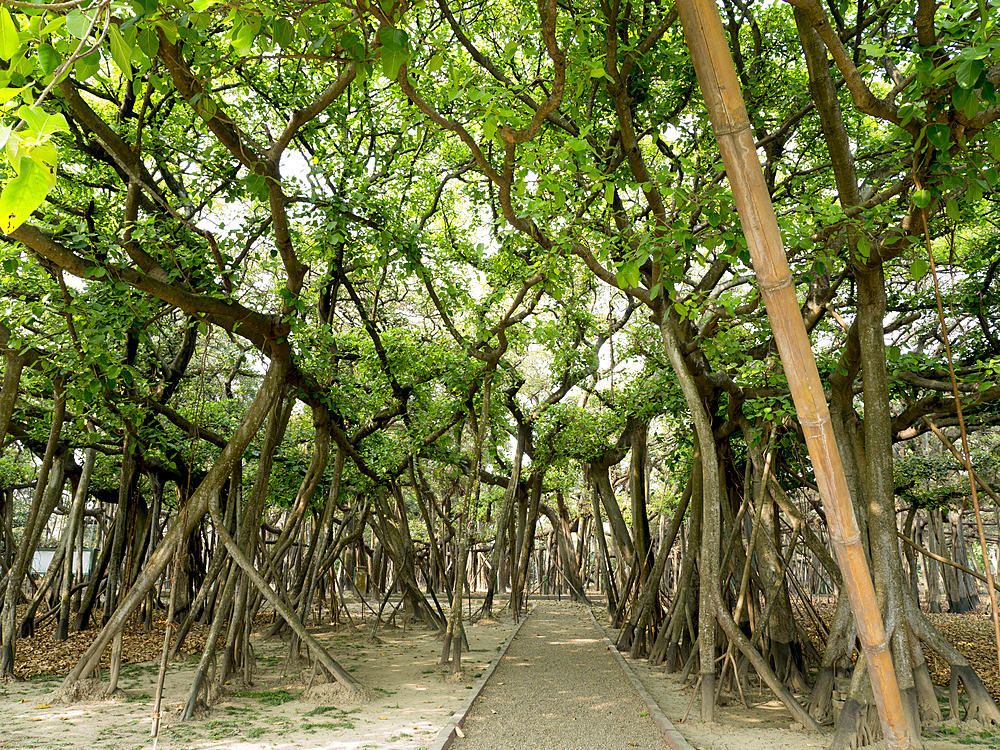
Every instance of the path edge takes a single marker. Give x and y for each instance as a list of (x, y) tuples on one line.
[(449, 731), (673, 738)]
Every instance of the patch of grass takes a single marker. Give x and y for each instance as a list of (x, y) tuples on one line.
[(320, 710), (221, 728), (268, 697), (240, 710), (984, 737), (311, 727)]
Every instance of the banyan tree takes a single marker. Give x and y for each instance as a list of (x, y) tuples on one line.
[(411, 304)]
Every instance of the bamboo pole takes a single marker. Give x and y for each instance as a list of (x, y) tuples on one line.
[(724, 101)]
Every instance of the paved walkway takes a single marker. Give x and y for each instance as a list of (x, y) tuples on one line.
[(558, 688)]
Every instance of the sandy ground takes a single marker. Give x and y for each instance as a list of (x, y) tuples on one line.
[(413, 700), (558, 688)]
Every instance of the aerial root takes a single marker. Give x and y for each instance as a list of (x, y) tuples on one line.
[(333, 693), (981, 706), (87, 689), (821, 698), (857, 727)]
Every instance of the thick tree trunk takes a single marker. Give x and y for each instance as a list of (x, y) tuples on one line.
[(619, 529), (519, 584)]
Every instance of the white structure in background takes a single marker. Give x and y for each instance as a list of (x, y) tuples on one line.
[(43, 557)]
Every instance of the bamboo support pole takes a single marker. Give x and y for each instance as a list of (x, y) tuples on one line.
[(724, 101)]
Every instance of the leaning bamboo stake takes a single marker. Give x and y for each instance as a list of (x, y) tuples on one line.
[(724, 101)]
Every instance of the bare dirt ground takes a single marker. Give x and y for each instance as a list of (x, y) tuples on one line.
[(412, 700)]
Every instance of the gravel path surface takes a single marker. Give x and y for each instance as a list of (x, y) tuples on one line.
[(558, 688)]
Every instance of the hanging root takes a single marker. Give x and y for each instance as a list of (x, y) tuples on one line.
[(926, 696), (626, 636), (981, 706), (857, 727), (821, 699), (87, 689), (786, 658)]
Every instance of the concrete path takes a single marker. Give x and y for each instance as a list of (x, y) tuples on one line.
[(559, 688)]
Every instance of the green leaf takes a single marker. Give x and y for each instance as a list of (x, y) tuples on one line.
[(22, 195), (435, 63), (597, 72), (145, 7), (922, 198), (9, 42), (489, 129), (918, 269), (10, 265), (988, 92), (169, 27), (939, 136), (864, 247), (85, 67), (968, 73), (46, 157), (953, 210), (282, 31), (393, 39), (78, 23), (42, 123), (6, 94), (993, 143), (393, 51), (965, 100), (148, 41), (48, 58), (354, 46), (121, 52), (245, 30)]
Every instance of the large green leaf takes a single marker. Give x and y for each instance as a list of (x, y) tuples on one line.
[(78, 23), (22, 195), (939, 136), (968, 73), (49, 58), (121, 51), (282, 31), (245, 30), (393, 50), (354, 46), (9, 42), (46, 157), (42, 123), (148, 41)]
